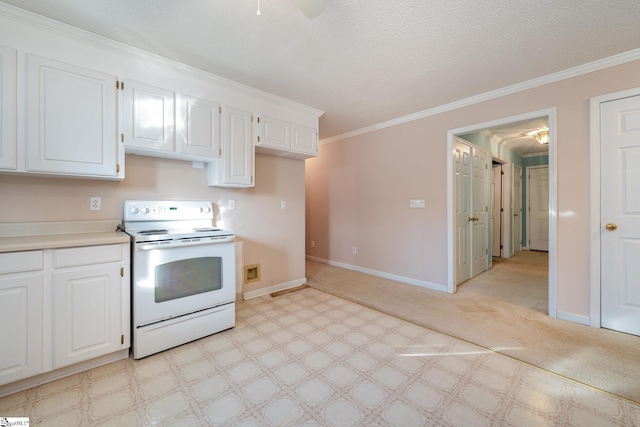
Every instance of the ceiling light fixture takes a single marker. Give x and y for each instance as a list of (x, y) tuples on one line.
[(542, 137), (258, 12)]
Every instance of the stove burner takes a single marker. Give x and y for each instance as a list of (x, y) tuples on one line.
[(153, 232), (205, 229)]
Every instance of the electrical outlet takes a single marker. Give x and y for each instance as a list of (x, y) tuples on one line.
[(232, 205), (416, 203), (283, 205), (313, 243), (355, 250), (95, 203)]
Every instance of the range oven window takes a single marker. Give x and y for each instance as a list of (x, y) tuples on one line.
[(186, 277)]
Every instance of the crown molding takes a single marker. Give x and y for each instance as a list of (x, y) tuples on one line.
[(601, 64)]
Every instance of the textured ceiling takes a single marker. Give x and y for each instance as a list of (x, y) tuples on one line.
[(364, 62)]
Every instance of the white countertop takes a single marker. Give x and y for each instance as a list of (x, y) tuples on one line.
[(15, 237)]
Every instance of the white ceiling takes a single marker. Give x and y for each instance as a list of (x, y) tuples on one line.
[(361, 61)]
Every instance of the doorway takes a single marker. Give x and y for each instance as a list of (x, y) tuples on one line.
[(497, 209), (550, 116)]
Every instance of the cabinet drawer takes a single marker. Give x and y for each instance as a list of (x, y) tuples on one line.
[(86, 255), (16, 262)]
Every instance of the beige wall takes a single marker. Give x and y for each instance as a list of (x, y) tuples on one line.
[(271, 236), (358, 189)]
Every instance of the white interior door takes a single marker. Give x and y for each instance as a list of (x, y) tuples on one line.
[(538, 196), (620, 214), (517, 208), (462, 184), (496, 210), (471, 210), (480, 203)]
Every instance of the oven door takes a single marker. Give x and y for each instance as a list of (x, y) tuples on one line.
[(174, 278)]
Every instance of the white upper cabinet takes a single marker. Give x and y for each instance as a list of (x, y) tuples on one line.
[(8, 139), (70, 121), (304, 140), (149, 119), (198, 127), (274, 136), (281, 138), (235, 168)]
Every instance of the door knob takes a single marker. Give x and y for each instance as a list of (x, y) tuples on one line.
[(611, 226)]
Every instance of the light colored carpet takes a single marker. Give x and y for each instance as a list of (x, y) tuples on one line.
[(601, 358)]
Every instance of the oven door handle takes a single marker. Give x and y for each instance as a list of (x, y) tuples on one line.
[(162, 244)]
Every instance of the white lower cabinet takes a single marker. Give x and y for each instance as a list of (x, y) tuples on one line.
[(21, 284), (84, 293)]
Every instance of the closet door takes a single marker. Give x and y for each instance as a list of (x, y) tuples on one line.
[(471, 184)]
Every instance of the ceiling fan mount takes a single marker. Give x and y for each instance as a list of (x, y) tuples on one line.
[(311, 8)]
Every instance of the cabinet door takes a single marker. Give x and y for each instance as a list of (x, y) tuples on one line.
[(149, 122), (304, 140), (273, 133), (87, 313), (21, 330), (7, 108), (235, 167), (70, 120), (199, 129)]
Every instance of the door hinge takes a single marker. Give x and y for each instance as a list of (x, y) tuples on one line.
[(500, 247), (122, 339), (219, 151), (121, 271), (122, 137), (501, 173), (119, 85), (252, 179), (258, 138), (117, 167), (258, 119), (486, 251), (219, 110)]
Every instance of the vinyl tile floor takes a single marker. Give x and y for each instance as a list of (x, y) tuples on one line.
[(308, 358)]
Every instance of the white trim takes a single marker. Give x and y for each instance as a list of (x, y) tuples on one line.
[(575, 318), (407, 280), (274, 288), (594, 176), (550, 113), (600, 64)]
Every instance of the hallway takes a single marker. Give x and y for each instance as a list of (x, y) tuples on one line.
[(521, 280)]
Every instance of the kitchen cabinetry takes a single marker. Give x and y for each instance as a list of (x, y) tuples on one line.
[(21, 284), (87, 302), (65, 306), (281, 138), (236, 165), (70, 120), (8, 139), (149, 120), (199, 130)]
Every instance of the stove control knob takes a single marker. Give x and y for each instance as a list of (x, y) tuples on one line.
[(145, 210), (134, 210)]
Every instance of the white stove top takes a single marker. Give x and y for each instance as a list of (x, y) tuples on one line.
[(149, 221)]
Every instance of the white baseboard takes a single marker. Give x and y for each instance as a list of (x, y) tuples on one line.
[(66, 371), (408, 280), (275, 288), (575, 318)]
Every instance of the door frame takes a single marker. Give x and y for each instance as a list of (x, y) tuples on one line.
[(513, 210), (550, 113), (595, 254)]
